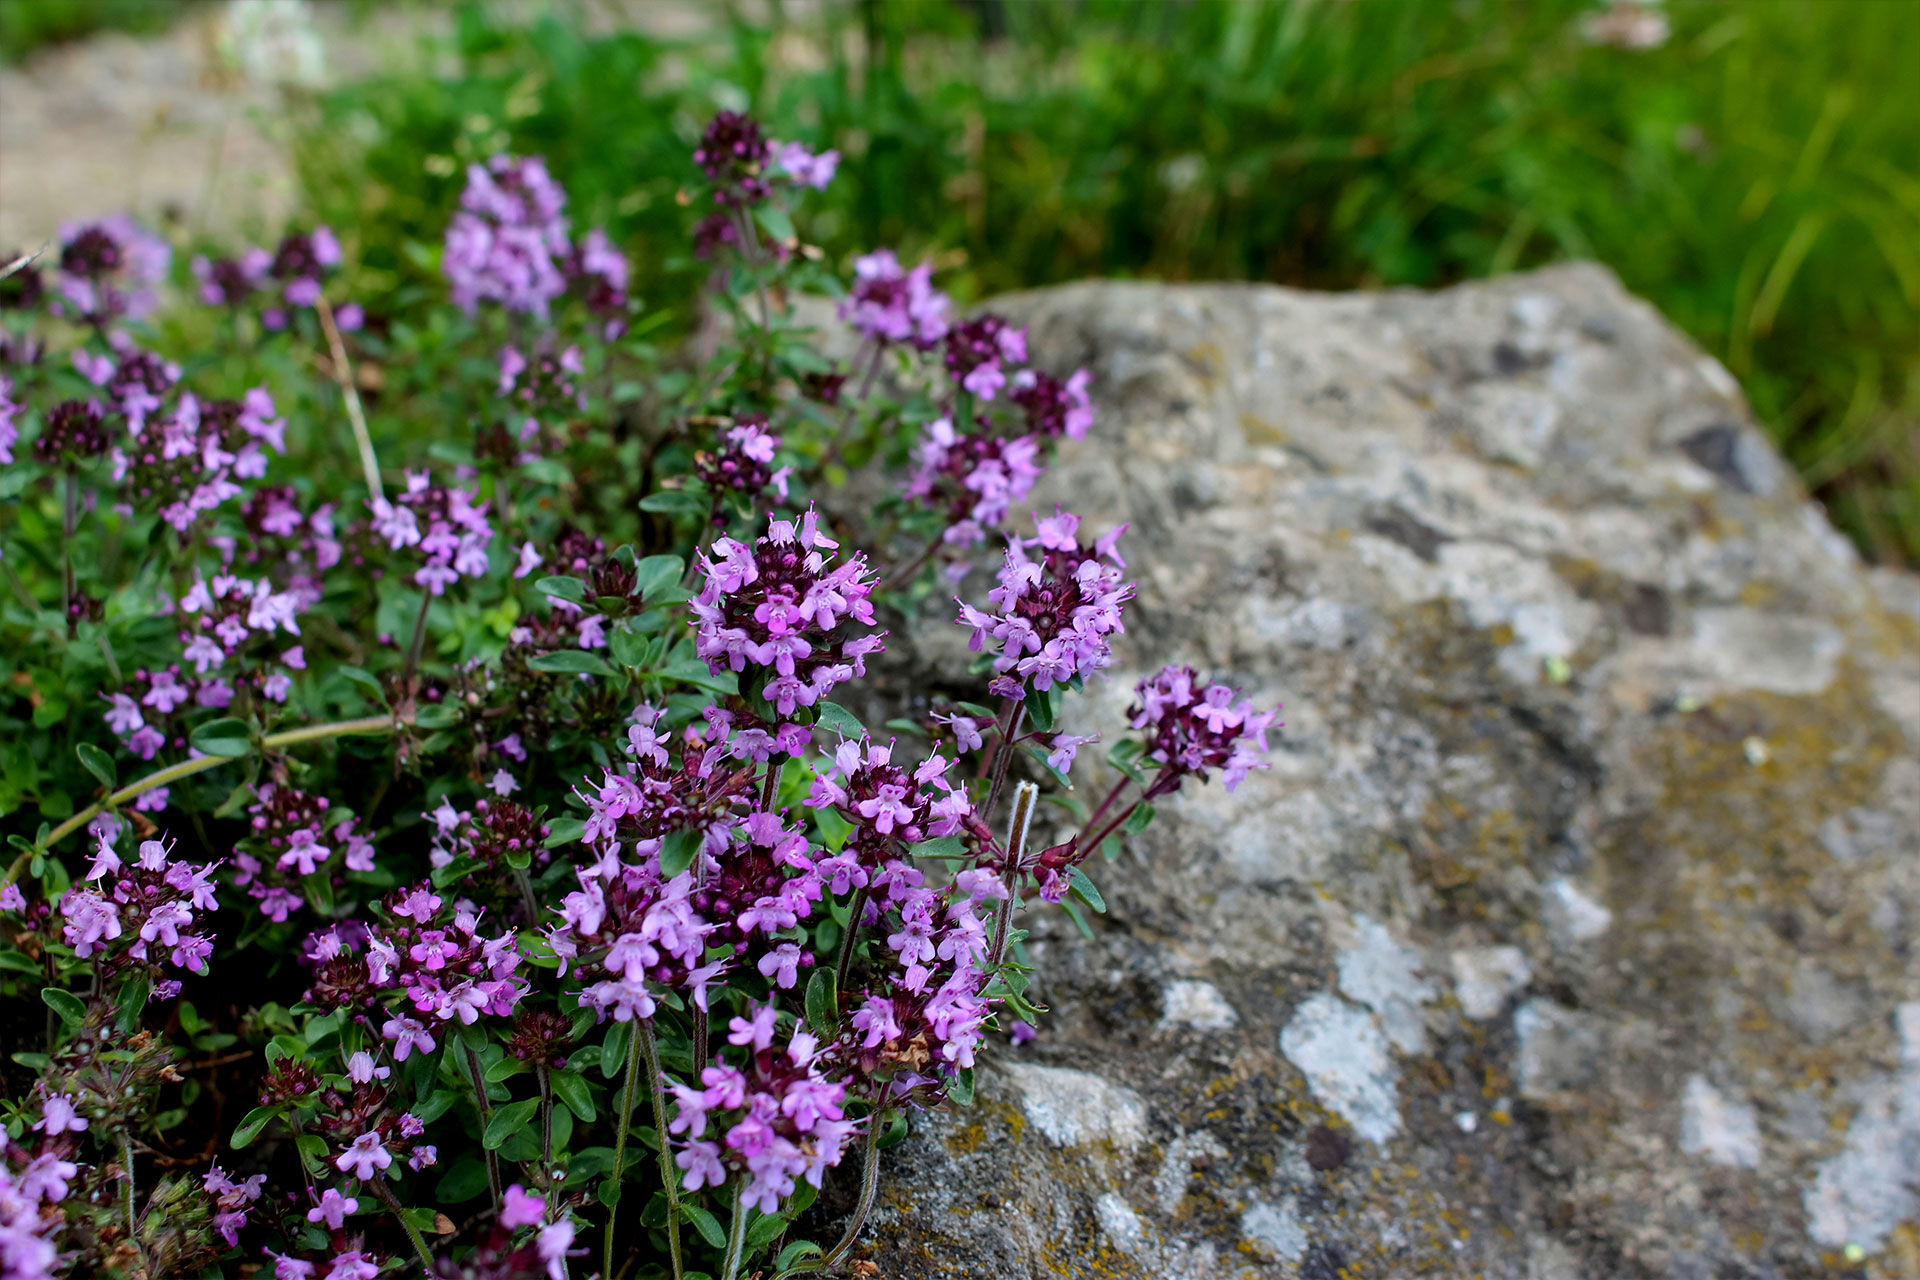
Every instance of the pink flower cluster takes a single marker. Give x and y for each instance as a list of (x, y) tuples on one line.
[(653, 939), (780, 1119), (134, 380), (293, 836), (889, 304), (977, 350), (297, 265), (438, 959), (27, 1250), (187, 463), (1054, 408), (541, 393), (508, 244), (1191, 730), (975, 478), (109, 270), (231, 1201), (742, 463), (444, 526), (777, 605), (143, 913), (1056, 614)]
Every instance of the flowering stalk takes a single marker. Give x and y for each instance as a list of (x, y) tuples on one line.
[(187, 768), (486, 1116), (381, 1189), (343, 374), (869, 1190), (621, 1126), (736, 1232), (669, 1176), (1025, 796)]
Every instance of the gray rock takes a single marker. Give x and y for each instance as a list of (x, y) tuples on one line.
[(1587, 707)]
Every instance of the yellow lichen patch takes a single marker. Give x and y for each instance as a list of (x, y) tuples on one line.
[(1260, 431)]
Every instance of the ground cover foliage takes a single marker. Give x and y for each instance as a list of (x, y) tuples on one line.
[(439, 839)]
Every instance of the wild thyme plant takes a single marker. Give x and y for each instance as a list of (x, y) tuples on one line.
[(490, 781)]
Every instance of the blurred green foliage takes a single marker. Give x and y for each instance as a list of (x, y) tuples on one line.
[(1757, 176), (27, 25)]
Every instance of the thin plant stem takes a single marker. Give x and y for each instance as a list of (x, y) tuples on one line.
[(71, 523), (620, 1145), (736, 1233), (1004, 759), (643, 1033), (486, 1116), (343, 374), (845, 966), (385, 1193), (869, 1189), (418, 642), (187, 768), (126, 1154), (1025, 797)]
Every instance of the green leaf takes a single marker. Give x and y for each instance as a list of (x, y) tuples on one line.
[(795, 1252), (565, 588), (823, 1003), (571, 1088), (563, 831), (705, 1223), (1081, 886), (896, 1133), (961, 1090), (465, 1180), (133, 1001), (1040, 709), (98, 763), (613, 1050), (251, 1124), (366, 680), (1125, 756), (1137, 820), (506, 1067), (1079, 920), (944, 847), (676, 502), (778, 223), (436, 715), (547, 471), (64, 1003), (694, 671), (677, 852), (831, 715), (225, 737), (629, 649), (655, 572), (765, 1229), (572, 662), (507, 1121)]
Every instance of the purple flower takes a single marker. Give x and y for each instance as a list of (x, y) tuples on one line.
[(888, 304), (977, 349), (1195, 733), (733, 153), (521, 1208), (58, 1116), (333, 1208), (1057, 614), (365, 1157), (803, 167)]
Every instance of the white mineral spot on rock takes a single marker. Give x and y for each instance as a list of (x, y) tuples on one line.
[(1483, 978), (1121, 1223), (1779, 653), (1383, 975), (1572, 914), (1717, 1128), (1176, 1168), (1560, 1049), (1275, 1229), (1467, 1121), (1190, 1002), (1077, 1108), (1862, 1194), (1347, 1063)]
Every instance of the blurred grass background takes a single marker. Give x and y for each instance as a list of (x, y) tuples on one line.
[(1756, 175)]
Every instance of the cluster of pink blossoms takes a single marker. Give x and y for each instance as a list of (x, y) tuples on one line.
[(1192, 730), (742, 465), (134, 381), (296, 267), (978, 351), (27, 1250), (889, 304), (142, 914), (293, 838), (1056, 615), (776, 606), (109, 270), (888, 806), (508, 244), (438, 959), (444, 526), (187, 463), (654, 939), (976, 478), (780, 1120), (232, 1201), (540, 392)]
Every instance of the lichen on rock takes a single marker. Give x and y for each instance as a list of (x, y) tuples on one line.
[(1572, 933)]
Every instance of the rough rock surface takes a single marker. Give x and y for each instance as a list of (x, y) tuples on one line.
[(1573, 933)]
